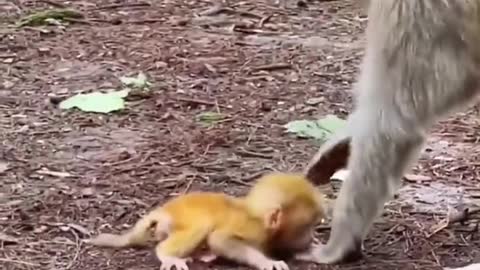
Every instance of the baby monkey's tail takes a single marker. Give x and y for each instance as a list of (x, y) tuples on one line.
[(142, 232)]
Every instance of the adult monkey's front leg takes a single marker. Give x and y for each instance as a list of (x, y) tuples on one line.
[(376, 164), (421, 62)]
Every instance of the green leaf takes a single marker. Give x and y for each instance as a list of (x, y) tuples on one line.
[(137, 82), (97, 102), (331, 123), (209, 118), (46, 16), (320, 129)]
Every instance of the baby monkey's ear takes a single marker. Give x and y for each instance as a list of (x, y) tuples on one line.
[(274, 219)]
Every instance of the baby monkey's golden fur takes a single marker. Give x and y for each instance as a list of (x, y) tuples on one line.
[(278, 213)]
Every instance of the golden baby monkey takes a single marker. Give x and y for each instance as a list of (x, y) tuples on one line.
[(278, 213)]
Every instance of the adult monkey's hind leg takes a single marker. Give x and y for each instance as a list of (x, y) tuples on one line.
[(331, 157), (421, 62)]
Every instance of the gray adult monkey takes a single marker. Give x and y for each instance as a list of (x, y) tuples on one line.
[(422, 62)]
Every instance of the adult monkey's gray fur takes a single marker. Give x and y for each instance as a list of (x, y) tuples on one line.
[(422, 61)]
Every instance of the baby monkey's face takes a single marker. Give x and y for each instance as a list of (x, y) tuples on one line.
[(301, 238), (298, 227)]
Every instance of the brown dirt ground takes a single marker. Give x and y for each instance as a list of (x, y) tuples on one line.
[(260, 74)]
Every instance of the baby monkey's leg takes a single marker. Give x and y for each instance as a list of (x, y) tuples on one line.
[(224, 244), (174, 251)]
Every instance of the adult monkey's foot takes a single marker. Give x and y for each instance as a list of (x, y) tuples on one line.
[(332, 253)]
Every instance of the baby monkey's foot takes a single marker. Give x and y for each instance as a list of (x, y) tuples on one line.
[(208, 257), (273, 265), (168, 263)]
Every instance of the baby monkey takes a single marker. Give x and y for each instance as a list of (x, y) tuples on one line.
[(278, 213)]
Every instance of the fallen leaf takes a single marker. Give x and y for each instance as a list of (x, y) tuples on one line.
[(331, 123), (320, 129), (97, 102), (41, 17)]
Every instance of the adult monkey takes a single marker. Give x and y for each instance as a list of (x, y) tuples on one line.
[(422, 61)]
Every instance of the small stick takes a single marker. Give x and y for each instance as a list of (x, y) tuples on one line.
[(115, 6), (198, 101), (213, 10), (264, 20), (272, 67), (52, 3), (246, 153)]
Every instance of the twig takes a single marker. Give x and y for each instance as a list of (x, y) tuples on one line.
[(216, 9), (202, 102), (240, 182), (12, 55), (189, 184), (252, 176), (246, 153), (77, 250), (145, 21), (77, 21), (271, 67), (18, 262), (436, 257), (114, 6), (221, 9), (52, 3), (254, 31), (247, 14), (264, 20)]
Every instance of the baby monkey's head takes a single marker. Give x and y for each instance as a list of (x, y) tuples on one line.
[(295, 205)]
